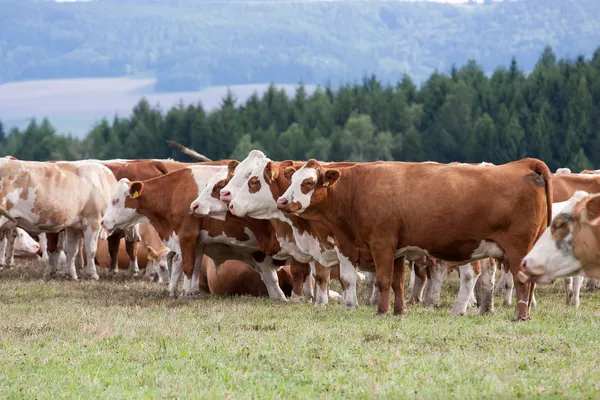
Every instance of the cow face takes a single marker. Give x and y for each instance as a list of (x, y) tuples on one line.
[(248, 192), (308, 186), (157, 261), (24, 243), (121, 213), (554, 255), (208, 203)]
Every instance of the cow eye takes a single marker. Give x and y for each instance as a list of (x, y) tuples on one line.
[(254, 181)]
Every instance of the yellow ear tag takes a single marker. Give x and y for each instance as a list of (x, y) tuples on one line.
[(325, 184), (149, 257), (273, 175), (135, 194)]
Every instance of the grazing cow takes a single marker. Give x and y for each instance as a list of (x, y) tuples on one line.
[(235, 278), (209, 204), (253, 190), (50, 197), (570, 247), (20, 244), (371, 221), (164, 202)]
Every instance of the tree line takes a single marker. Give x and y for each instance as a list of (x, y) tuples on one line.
[(552, 113)]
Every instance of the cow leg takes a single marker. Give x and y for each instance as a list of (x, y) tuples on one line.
[(348, 280), (176, 269), (384, 272), (484, 288), (72, 248), (568, 289), (54, 253), (10, 248), (132, 249), (434, 288), (468, 277), (398, 281), (90, 237), (268, 274), (411, 279), (113, 242), (521, 289), (590, 286), (79, 258), (302, 278), (372, 289), (3, 243), (577, 283), (508, 285), (322, 275), (416, 295)]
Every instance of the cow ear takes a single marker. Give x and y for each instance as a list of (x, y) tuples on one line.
[(592, 210), (286, 163), (232, 165), (151, 253), (330, 177), (271, 172), (135, 189), (288, 172)]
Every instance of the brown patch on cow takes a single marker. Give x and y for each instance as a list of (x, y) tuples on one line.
[(307, 185), (231, 165), (559, 228), (254, 184), (592, 208), (216, 190), (537, 179)]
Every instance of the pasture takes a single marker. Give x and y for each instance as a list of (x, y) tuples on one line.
[(126, 338)]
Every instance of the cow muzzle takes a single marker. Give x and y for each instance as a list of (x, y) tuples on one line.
[(530, 273), (288, 207), (225, 195)]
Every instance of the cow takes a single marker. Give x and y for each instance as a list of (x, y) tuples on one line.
[(570, 247), (235, 278), (16, 243), (209, 204), (50, 197), (382, 212), (252, 191), (164, 202)]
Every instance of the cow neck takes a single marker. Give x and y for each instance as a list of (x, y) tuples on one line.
[(163, 199)]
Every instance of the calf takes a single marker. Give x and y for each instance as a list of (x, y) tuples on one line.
[(461, 224), (50, 197), (164, 202), (16, 242)]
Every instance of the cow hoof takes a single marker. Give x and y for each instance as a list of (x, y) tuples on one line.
[(93, 277), (71, 277), (294, 298), (172, 294), (10, 266), (112, 272), (135, 274), (456, 313), (349, 307)]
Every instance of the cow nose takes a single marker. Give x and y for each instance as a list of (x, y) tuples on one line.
[(225, 195), (102, 224), (231, 207), (282, 202), (193, 208), (524, 265)]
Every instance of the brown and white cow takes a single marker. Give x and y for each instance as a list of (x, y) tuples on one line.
[(16, 243), (381, 212), (571, 246), (209, 204), (253, 190), (235, 278), (50, 197), (164, 202)]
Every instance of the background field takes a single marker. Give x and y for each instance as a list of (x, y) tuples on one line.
[(126, 339)]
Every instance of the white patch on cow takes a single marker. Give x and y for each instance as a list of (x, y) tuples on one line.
[(486, 164), (23, 208), (293, 250), (207, 206), (330, 240), (258, 205), (294, 193), (348, 275), (117, 216), (487, 249), (547, 256), (468, 278), (269, 276)]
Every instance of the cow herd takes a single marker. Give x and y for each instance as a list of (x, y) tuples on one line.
[(283, 229)]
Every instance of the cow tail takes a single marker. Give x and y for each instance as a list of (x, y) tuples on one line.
[(539, 167)]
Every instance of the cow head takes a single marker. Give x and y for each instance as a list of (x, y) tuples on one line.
[(249, 190), (122, 211), (157, 261), (24, 243), (308, 186), (570, 244), (208, 203)]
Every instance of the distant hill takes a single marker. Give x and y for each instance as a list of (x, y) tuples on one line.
[(192, 44)]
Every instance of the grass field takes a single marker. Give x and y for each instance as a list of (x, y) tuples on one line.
[(126, 339)]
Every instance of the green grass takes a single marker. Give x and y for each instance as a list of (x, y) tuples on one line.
[(127, 339)]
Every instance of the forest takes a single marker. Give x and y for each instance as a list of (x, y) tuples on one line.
[(552, 113), (191, 44)]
